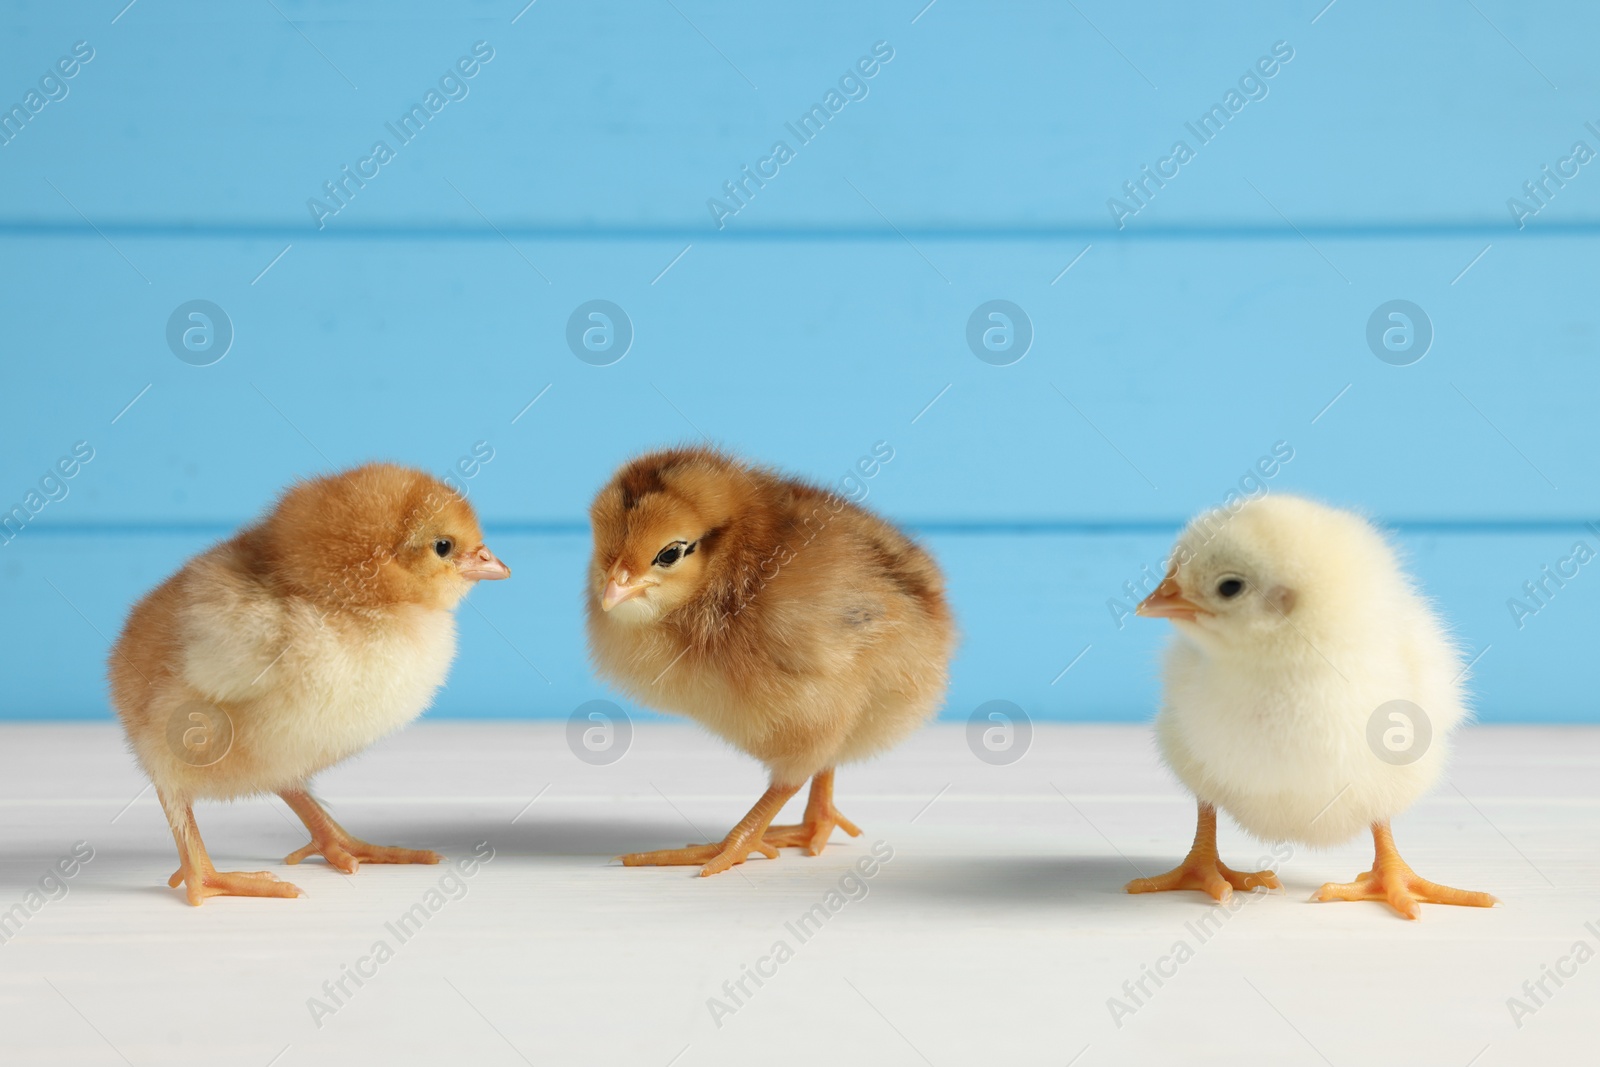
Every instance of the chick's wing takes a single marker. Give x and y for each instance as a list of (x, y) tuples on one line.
[(234, 627)]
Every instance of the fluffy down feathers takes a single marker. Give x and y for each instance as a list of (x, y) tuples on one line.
[(792, 623), (1269, 692), (313, 633)]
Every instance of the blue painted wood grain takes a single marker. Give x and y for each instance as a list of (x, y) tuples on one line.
[(1225, 316)]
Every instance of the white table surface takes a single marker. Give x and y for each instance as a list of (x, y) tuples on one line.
[(997, 933)]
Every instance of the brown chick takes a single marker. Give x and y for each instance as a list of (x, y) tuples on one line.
[(293, 645), (793, 624)]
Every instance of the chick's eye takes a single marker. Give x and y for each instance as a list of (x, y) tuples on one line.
[(669, 555), (1229, 588), (443, 546)]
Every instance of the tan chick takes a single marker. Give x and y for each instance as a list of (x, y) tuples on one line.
[(294, 645), (795, 625)]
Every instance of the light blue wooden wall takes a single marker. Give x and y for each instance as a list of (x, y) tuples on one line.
[(826, 314)]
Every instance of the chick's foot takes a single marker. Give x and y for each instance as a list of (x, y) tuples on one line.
[(195, 871), (204, 883), (1201, 869), (820, 819), (1393, 881), (342, 849), (349, 853), (714, 859), (732, 850), (1207, 874), (1405, 892)]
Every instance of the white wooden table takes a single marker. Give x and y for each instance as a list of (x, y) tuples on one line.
[(996, 934)]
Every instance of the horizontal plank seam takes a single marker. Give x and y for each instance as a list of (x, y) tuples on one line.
[(1332, 231)]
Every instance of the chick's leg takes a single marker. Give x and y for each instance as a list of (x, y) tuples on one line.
[(194, 864), (337, 845), (1201, 869), (1392, 880), (731, 850), (820, 819)]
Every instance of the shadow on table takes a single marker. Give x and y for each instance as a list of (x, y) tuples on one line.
[(541, 835), (1023, 880)]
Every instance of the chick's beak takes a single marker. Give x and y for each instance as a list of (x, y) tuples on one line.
[(619, 589), (483, 565), (1168, 602)]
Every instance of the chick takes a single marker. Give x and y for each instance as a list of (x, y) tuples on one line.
[(293, 645), (1296, 629), (793, 624)]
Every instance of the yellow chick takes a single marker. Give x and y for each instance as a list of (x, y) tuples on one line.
[(1310, 693), (795, 625), (294, 645)]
